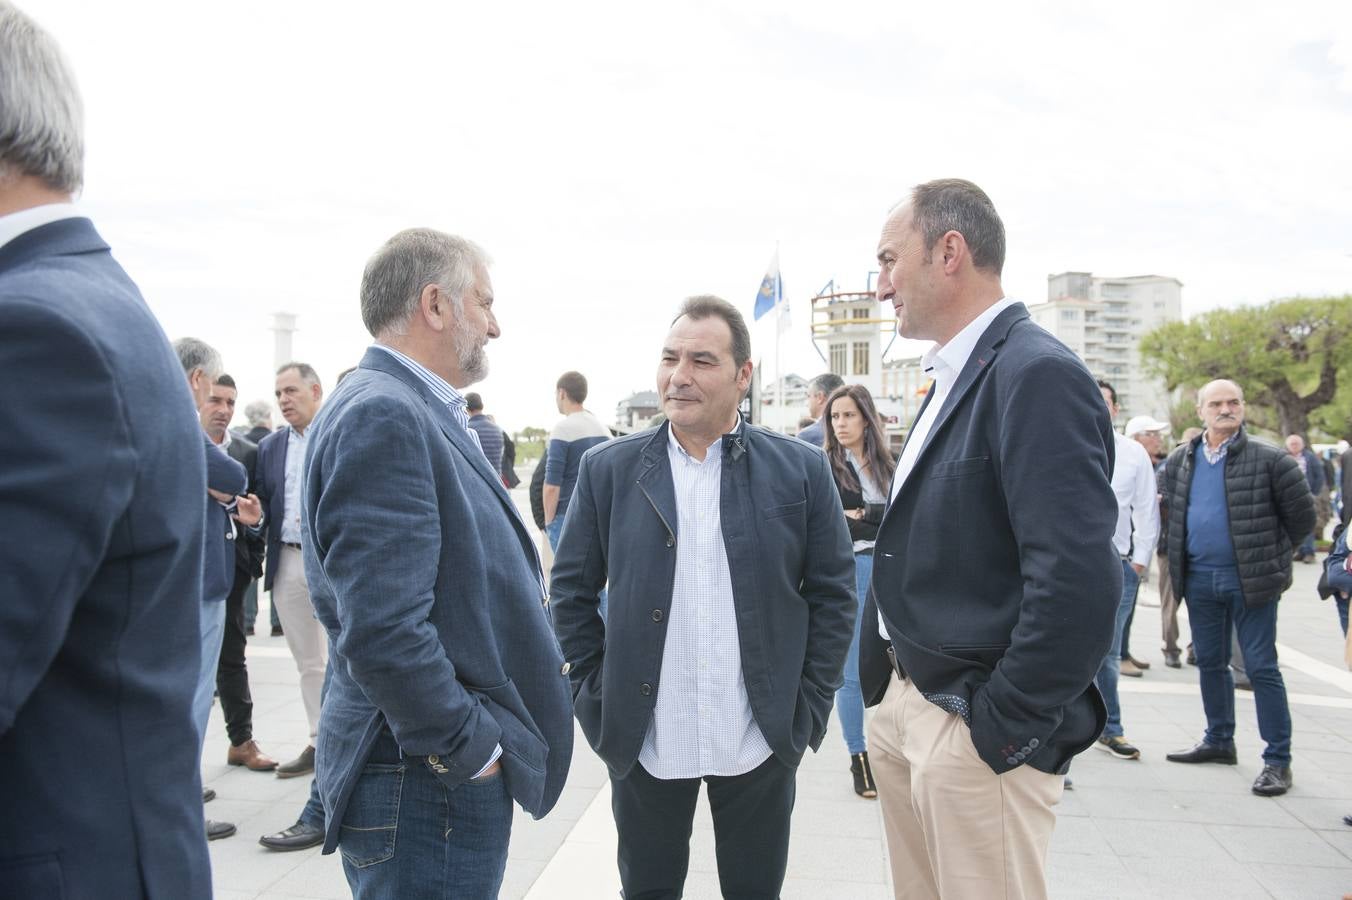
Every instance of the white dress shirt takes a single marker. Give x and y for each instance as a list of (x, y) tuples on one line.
[(1138, 508), (702, 722), (944, 364), (25, 220), (296, 443)]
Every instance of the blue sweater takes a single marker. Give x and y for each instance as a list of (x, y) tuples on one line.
[(1209, 544)]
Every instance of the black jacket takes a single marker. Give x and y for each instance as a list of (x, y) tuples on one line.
[(994, 567), (1271, 509), (865, 529), (249, 547), (792, 585)]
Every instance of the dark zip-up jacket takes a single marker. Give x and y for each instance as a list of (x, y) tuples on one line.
[(1270, 506)]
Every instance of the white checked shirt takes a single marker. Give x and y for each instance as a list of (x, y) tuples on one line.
[(1138, 508), (296, 442), (944, 364), (702, 722)]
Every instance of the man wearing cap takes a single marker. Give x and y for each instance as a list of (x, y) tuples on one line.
[(1138, 525), (1149, 433)]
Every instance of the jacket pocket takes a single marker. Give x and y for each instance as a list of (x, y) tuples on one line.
[(366, 835), (985, 654), (520, 739), (786, 509), (955, 468)]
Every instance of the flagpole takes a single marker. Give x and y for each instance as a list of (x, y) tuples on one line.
[(779, 376)]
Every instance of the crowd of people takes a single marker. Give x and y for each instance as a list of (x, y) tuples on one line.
[(717, 589)]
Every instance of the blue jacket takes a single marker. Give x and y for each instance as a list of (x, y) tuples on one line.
[(792, 568), (429, 586), (994, 567), (228, 476), (101, 537), (1339, 578)]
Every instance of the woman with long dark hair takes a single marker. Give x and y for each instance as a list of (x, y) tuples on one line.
[(856, 445)]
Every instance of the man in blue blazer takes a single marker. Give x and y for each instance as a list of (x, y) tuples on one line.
[(731, 609), (448, 696), (994, 569), (101, 533)]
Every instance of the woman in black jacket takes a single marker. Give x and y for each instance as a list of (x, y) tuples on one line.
[(856, 445)]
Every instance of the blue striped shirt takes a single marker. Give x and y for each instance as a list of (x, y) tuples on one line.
[(441, 389)]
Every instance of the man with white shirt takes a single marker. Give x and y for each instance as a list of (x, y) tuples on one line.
[(995, 581), (1138, 527), (730, 616), (281, 457)]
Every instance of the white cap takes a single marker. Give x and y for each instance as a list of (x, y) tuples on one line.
[(1139, 424)]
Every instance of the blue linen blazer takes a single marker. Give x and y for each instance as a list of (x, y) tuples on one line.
[(429, 586), (101, 548)]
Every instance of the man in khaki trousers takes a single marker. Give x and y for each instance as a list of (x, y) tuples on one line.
[(995, 580)]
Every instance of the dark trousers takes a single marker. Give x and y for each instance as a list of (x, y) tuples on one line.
[(232, 676), (751, 815), (251, 607)]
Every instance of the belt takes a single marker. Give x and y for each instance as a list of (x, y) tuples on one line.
[(291, 545), (896, 666)]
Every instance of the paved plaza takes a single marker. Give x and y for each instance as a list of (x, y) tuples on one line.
[(1129, 829)]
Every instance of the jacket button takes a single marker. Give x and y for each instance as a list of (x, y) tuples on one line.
[(434, 759), (657, 615), (671, 542), (1012, 760), (645, 689), (567, 667)]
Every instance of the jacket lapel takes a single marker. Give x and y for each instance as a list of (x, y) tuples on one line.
[(654, 477), (983, 354)]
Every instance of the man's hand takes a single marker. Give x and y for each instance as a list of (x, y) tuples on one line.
[(248, 510), (492, 770), (221, 496), (1138, 569)]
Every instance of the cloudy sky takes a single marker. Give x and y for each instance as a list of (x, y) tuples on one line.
[(613, 158)]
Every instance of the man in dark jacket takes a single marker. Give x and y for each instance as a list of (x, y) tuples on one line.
[(1313, 470), (1236, 507), (731, 612), (994, 570)]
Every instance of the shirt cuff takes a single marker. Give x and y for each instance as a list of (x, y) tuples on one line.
[(497, 752)]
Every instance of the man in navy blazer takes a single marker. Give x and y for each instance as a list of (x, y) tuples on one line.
[(994, 569), (731, 609), (101, 533), (448, 696)]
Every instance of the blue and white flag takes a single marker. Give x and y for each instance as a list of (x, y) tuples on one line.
[(771, 292)]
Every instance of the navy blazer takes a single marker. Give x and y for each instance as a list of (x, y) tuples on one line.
[(792, 585), (226, 475), (994, 567), (429, 586), (270, 487), (101, 542), (248, 544)]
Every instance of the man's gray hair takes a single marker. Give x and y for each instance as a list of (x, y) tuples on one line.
[(258, 413), (825, 383), (952, 204), (306, 372), (41, 118), (408, 262), (195, 354)]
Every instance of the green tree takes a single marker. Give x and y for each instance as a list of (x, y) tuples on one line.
[(1286, 355)]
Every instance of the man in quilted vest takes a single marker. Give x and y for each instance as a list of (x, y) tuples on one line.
[(1236, 506)]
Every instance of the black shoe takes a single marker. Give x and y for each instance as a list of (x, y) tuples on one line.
[(1171, 659), (1347, 820), (249, 631), (864, 784), (1273, 781), (1204, 753), (298, 837), (1119, 747), (1243, 684), (1192, 656), (277, 631), (1067, 783), (301, 765), (208, 795), (217, 830)]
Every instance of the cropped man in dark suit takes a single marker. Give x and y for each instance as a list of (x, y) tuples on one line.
[(994, 569), (448, 697), (232, 672), (101, 533), (731, 610)]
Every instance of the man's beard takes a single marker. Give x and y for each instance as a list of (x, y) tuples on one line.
[(469, 352)]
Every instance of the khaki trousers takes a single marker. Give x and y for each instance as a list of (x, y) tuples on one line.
[(305, 637), (1168, 606), (955, 829)]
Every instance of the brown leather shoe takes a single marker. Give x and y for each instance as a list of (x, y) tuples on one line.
[(248, 754)]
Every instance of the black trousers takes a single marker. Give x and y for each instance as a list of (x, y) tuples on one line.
[(751, 815), (232, 676)]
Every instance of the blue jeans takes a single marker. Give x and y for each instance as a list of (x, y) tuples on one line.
[(313, 813), (1110, 669), (1307, 545), (850, 699), (553, 530), (1215, 605), (212, 632), (406, 836)]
